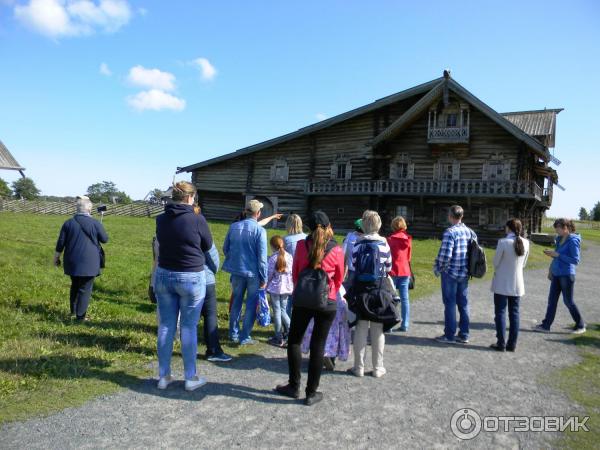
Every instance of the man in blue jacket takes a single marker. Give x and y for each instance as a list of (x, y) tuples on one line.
[(245, 250), (80, 239)]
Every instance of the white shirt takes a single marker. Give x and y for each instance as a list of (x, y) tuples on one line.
[(508, 274)]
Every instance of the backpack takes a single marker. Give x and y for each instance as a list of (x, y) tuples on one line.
[(368, 265), (477, 260), (312, 288)]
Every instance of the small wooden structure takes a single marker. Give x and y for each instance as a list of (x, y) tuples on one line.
[(8, 161), (413, 153)]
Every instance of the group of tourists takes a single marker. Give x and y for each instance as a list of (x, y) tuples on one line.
[(319, 291)]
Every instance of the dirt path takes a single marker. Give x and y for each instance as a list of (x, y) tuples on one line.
[(410, 407)]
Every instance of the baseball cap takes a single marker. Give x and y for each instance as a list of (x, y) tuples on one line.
[(318, 218), (254, 206), (358, 224)]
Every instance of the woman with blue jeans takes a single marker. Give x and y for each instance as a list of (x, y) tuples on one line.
[(508, 284), (400, 243), (180, 282), (565, 258)]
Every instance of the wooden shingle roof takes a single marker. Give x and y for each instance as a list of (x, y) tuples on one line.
[(539, 123), (7, 160)]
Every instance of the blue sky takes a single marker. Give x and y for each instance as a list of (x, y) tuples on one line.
[(80, 103)]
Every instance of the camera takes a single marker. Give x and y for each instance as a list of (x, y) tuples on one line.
[(101, 209)]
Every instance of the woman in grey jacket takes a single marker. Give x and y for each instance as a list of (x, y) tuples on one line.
[(508, 285)]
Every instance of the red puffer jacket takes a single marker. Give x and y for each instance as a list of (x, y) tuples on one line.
[(332, 264), (401, 246)]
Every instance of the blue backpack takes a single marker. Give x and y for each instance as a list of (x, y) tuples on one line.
[(368, 265)]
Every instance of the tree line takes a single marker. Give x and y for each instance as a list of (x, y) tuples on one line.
[(592, 214), (25, 188)]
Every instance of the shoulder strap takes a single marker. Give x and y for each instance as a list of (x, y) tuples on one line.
[(96, 244)]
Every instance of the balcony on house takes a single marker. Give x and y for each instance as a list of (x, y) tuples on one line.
[(448, 126), (439, 188)]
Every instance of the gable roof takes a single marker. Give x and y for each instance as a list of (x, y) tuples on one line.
[(7, 160), (420, 89), (433, 90), (540, 123)]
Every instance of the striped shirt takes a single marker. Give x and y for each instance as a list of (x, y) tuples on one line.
[(385, 254), (453, 257)]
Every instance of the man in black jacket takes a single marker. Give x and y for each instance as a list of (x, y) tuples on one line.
[(80, 239)]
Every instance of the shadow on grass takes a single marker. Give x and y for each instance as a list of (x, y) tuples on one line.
[(586, 341), (106, 343)]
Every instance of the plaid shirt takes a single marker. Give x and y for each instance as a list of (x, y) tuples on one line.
[(453, 257)]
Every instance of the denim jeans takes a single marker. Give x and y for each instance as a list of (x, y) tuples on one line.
[(179, 294), (564, 285), (454, 294), (210, 328), (241, 285), (500, 304), (401, 284), (280, 317)]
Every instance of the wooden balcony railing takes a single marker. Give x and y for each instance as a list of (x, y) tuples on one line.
[(463, 188), (445, 135)]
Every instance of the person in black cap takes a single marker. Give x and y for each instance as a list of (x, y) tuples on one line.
[(318, 251)]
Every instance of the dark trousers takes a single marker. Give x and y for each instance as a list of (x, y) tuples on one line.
[(564, 285), (210, 327), (299, 322), (501, 302), (81, 291)]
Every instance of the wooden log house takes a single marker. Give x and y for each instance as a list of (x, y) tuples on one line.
[(414, 153)]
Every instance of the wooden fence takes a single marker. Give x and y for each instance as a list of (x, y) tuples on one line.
[(580, 224), (62, 208)]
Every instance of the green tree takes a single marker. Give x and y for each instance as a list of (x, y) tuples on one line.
[(583, 214), (25, 188), (155, 195), (5, 191), (595, 212), (107, 192)]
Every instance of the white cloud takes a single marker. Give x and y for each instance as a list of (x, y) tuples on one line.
[(142, 11), (321, 116), (207, 71), (155, 100), (59, 18), (151, 78), (105, 70)]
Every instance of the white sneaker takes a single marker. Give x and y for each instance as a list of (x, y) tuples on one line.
[(579, 330), (378, 373), (164, 382), (194, 383)]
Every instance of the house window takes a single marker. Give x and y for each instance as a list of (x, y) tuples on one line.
[(446, 171), (341, 171), (440, 216), (404, 211), (401, 168), (497, 216), (451, 120), (280, 170), (495, 171), (341, 211)]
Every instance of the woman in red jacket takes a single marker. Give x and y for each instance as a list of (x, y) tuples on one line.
[(319, 250), (400, 243)]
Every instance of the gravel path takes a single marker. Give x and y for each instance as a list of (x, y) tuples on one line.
[(410, 407)]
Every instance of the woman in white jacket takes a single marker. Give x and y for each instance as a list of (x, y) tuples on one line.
[(508, 286)]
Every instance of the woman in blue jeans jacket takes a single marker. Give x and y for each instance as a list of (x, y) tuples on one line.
[(562, 275), (180, 282)]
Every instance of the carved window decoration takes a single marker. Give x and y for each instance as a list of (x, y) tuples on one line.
[(341, 169), (405, 211), (401, 168), (280, 171), (496, 169), (446, 169)]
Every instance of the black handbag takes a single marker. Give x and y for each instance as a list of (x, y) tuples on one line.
[(96, 243), (411, 281)]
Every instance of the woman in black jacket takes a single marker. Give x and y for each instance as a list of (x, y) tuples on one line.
[(80, 239)]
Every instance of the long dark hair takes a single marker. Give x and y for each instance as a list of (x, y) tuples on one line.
[(516, 227), (565, 223)]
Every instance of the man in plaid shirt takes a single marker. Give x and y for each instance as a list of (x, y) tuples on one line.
[(452, 264)]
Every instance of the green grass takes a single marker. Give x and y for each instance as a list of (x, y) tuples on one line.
[(48, 362), (581, 382)]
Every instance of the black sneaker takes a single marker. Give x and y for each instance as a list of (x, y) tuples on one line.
[(329, 364), (288, 391), (497, 347), (461, 340), (313, 398), (510, 349)]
